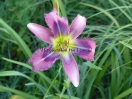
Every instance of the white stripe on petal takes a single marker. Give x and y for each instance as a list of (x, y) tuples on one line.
[(41, 32), (77, 26), (71, 70)]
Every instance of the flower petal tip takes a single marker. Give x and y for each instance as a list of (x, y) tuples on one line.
[(82, 18), (76, 84), (41, 32), (71, 70), (29, 25), (77, 26), (86, 48)]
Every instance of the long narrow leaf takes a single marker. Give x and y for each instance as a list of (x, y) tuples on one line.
[(126, 44), (92, 65), (28, 96), (28, 66), (17, 38), (105, 12), (123, 94), (14, 73)]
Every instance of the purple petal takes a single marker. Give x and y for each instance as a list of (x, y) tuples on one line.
[(41, 32), (57, 25), (77, 26), (85, 48), (71, 70), (43, 59)]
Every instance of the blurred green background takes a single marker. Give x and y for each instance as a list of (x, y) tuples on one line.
[(109, 23)]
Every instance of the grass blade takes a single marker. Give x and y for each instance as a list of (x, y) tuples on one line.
[(123, 94), (28, 96), (14, 73), (105, 12), (17, 38), (92, 65), (126, 44), (39, 73)]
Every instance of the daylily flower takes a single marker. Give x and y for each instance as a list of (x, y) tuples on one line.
[(64, 43)]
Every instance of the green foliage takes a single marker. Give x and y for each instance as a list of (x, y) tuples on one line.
[(109, 76)]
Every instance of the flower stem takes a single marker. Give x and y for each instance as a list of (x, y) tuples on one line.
[(52, 83), (69, 94)]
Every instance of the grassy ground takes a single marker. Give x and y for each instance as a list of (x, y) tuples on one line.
[(109, 23)]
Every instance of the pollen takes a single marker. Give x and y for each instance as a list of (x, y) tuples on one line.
[(62, 43)]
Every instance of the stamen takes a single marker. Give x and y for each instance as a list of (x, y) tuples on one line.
[(62, 43)]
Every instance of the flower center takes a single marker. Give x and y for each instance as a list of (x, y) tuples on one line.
[(62, 43)]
